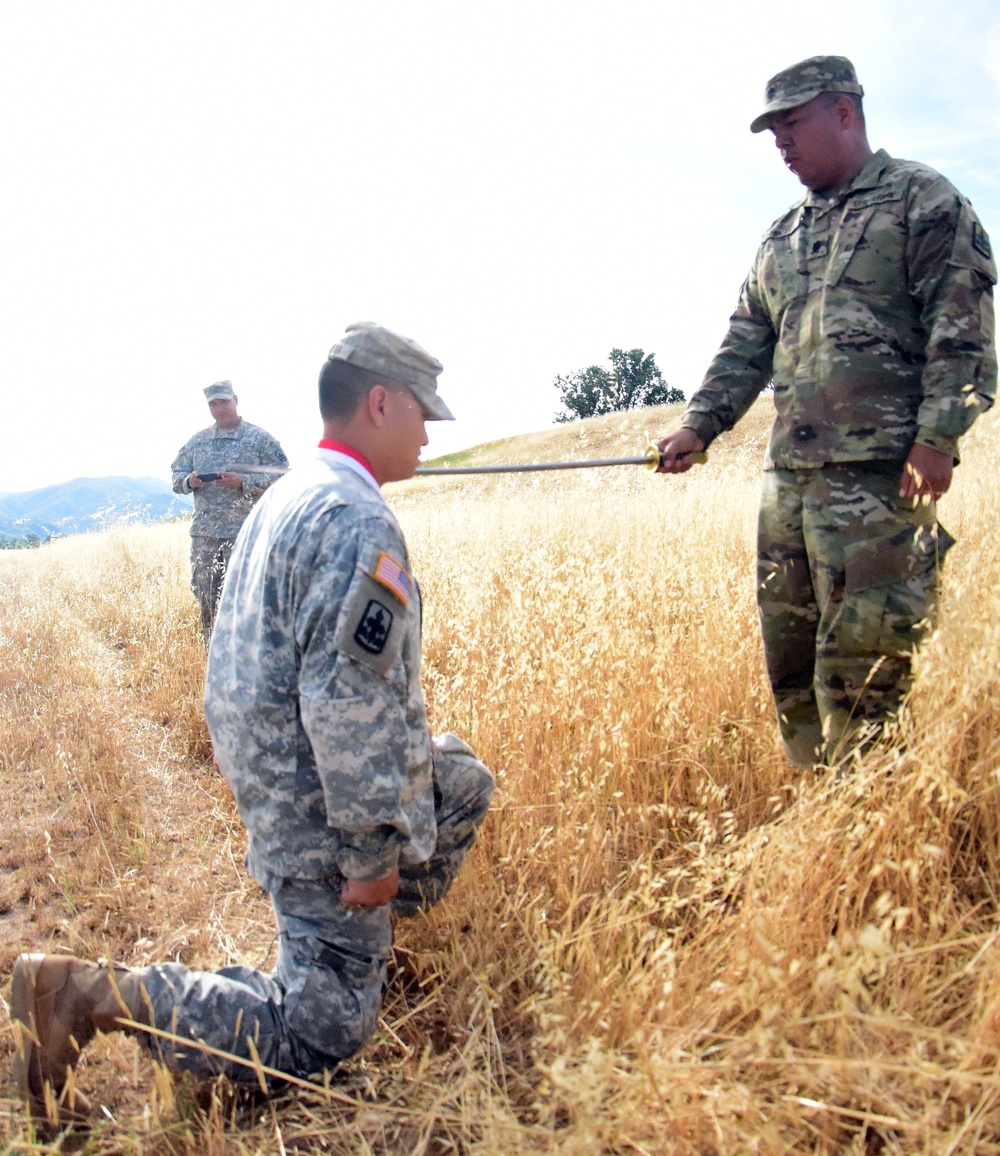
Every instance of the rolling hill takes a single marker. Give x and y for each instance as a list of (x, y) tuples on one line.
[(85, 504)]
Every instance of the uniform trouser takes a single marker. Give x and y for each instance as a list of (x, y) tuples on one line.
[(321, 1003), (847, 582), (209, 559)]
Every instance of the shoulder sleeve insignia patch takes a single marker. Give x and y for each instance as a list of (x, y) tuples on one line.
[(393, 577), (374, 619), (372, 631), (980, 242)]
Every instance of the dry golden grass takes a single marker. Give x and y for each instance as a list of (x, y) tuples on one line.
[(665, 940)]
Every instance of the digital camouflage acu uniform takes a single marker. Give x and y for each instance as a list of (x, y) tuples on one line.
[(314, 704), (218, 511), (869, 308)]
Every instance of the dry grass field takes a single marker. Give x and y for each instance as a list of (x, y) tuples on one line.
[(666, 940)]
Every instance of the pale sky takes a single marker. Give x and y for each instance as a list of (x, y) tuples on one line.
[(208, 189)]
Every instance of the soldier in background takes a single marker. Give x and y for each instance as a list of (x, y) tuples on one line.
[(870, 308), (314, 704), (216, 467)]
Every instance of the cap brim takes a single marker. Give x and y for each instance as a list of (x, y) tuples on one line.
[(758, 124), (431, 403)]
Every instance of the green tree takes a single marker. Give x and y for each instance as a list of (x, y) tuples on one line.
[(633, 381), (28, 542)]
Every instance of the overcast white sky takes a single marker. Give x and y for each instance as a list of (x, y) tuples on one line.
[(200, 189)]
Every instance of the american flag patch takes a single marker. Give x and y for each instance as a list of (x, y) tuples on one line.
[(393, 577)]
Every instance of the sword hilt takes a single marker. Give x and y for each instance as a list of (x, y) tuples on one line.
[(654, 459)]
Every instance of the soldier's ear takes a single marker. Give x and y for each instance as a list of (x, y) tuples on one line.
[(375, 402), (846, 112)]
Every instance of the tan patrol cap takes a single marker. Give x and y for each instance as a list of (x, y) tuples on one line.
[(804, 81), (401, 359), (221, 389)]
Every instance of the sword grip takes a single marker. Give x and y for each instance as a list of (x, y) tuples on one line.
[(654, 458)]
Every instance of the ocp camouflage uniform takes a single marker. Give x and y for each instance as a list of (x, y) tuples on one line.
[(870, 310), (218, 511), (317, 718)]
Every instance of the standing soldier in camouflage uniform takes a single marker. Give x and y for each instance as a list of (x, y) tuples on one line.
[(314, 703), (216, 466), (870, 308)]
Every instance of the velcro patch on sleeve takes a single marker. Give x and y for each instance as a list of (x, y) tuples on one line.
[(980, 241), (373, 630), (393, 577), (972, 248), (373, 621)]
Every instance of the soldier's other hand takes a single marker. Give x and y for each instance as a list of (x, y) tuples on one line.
[(926, 475), (194, 482), (676, 450), (377, 893), (231, 481)]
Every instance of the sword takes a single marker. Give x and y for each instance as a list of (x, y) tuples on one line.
[(245, 469), (650, 459)]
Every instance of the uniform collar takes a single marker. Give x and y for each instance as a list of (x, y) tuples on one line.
[(336, 454), (868, 178), (235, 432)]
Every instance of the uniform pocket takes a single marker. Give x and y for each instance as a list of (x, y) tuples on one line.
[(890, 590), (332, 997), (782, 275), (868, 244)]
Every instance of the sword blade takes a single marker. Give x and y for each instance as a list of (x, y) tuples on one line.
[(650, 459), (254, 469), (529, 467)]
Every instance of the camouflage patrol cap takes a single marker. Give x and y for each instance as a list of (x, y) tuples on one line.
[(221, 389), (378, 349), (804, 81)]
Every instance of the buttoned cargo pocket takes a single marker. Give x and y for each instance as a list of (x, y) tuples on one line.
[(890, 591), (332, 997)]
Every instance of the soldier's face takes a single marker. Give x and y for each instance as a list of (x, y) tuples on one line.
[(223, 409), (406, 433), (810, 141)]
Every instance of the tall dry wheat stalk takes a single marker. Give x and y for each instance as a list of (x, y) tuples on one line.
[(666, 940)]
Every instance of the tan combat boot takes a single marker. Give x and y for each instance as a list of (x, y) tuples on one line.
[(59, 1003)]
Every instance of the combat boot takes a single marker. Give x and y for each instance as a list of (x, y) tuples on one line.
[(59, 1003)]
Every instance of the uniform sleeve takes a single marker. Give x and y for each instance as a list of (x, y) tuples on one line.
[(951, 274), (181, 468), (354, 633), (268, 453), (739, 371)]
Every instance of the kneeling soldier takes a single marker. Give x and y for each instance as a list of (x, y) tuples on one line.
[(314, 704)]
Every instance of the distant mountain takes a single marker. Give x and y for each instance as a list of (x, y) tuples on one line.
[(87, 504)]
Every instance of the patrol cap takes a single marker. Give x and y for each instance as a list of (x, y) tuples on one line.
[(803, 81), (221, 389), (373, 347)]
